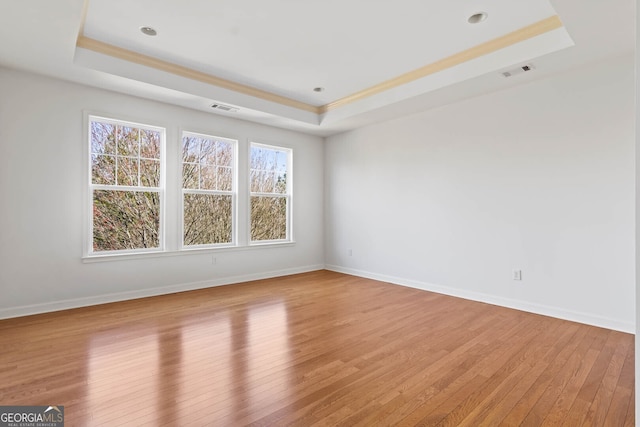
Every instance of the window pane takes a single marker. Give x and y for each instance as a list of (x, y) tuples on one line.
[(269, 170), (257, 158), (269, 182), (268, 218), (281, 172), (269, 159), (127, 171), (207, 164), (208, 177), (150, 144), (103, 169), (281, 162), (190, 149), (207, 219), (262, 182), (150, 173), (225, 179), (190, 175), (125, 220), (257, 181), (264, 158), (128, 141), (207, 151), (224, 154), (103, 138), (281, 183)]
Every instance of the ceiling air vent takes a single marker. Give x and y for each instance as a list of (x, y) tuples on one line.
[(223, 107), (519, 70)]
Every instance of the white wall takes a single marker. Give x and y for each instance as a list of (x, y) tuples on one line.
[(42, 188), (539, 177)]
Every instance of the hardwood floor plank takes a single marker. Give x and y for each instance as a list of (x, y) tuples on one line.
[(565, 399), (602, 400), (509, 393), (514, 367), (316, 349), (419, 392), (520, 411), (440, 402), (622, 394), (577, 415), (569, 368), (630, 420)]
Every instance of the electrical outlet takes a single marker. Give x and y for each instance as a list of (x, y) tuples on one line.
[(517, 274)]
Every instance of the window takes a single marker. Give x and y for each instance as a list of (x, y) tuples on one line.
[(128, 196), (270, 184), (126, 186), (208, 198)]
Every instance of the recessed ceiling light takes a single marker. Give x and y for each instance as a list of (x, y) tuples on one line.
[(149, 31), (318, 89), (477, 17)]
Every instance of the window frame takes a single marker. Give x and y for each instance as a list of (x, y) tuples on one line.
[(233, 193), (89, 251), (288, 195)]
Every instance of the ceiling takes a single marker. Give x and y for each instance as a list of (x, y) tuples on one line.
[(374, 59)]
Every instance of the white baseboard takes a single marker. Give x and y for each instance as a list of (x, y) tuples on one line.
[(587, 318), (28, 310), (574, 316)]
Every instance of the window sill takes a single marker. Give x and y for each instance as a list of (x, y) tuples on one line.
[(88, 259)]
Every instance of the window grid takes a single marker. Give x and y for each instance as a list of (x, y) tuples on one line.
[(270, 193), (208, 220), (127, 213), (126, 161)]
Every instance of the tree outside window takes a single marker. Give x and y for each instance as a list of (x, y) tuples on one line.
[(270, 182), (126, 185), (207, 190)]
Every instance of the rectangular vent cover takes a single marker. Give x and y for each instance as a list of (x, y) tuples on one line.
[(223, 107), (519, 70)]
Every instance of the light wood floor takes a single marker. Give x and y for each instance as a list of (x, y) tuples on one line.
[(319, 348)]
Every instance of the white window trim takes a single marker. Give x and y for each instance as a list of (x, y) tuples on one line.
[(185, 252), (233, 193), (288, 195), (171, 195), (88, 201)]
